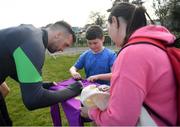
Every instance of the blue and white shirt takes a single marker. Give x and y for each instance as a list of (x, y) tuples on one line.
[(96, 63)]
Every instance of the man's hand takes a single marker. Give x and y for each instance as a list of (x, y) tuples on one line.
[(4, 89), (55, 84), (76, 87)]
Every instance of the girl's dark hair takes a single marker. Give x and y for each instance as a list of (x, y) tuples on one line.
[(134, 17)]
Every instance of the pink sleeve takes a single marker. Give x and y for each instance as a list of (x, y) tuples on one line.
[(128, 89)]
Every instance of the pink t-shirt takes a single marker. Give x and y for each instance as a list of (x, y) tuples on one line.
[(141, 73)]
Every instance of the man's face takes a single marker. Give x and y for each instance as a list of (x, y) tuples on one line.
[(96, 44), (59, 42)]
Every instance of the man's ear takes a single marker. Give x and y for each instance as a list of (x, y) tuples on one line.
[(57, 35)]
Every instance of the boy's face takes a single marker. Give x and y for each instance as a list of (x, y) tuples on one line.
[(96, 45)]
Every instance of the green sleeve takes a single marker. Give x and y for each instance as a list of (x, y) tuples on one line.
[(26, 71)]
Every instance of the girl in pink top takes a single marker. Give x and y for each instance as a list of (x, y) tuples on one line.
[(142, 73)]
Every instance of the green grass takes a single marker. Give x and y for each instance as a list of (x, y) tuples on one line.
[(53, 70)]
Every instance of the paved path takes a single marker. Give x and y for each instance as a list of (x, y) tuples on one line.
[(78, 50)]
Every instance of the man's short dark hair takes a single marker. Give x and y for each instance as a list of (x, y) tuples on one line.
[(94, 32), (66, 26)]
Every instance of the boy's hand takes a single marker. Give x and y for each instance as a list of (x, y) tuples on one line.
[(76, 75), (104, 88), (93, 78)]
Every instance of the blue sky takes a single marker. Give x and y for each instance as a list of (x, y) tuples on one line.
[(42, 12)]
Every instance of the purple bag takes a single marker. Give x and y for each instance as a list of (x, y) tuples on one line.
[(71, 107)]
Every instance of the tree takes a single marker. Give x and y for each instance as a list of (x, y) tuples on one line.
[(97, 18), (161, 10), (174, 15), (174, 18)]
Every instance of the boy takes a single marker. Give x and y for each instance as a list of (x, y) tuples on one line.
[(97, 61)]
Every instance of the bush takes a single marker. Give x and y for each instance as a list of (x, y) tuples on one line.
[(107, 40)]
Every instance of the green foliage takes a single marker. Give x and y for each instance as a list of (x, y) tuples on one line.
[(161, 10), (97, 18), (174, 15), (177, 42), (168, 13), (53, 70), (107, 40), (81, 42)]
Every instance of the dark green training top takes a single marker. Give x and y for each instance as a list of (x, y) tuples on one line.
[(22, 54)]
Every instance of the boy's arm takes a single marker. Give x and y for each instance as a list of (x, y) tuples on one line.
[(106, 76)]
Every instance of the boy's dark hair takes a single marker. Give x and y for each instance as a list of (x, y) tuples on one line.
[(66, 26), (94, 32), (134, 16)]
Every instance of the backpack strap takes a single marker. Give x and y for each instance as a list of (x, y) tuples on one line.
[(160, 45), (151, 111), (142, 40), (154, 42)]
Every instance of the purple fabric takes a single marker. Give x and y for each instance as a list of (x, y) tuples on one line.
[(71, 107), (55, 115)]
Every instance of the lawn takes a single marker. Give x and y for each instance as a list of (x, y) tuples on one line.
[(53, 70)]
